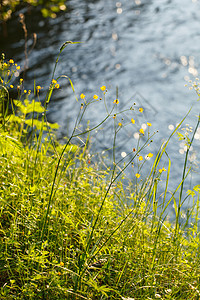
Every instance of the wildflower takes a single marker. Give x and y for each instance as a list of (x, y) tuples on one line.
[(21, 80), (116, 101), (29, 91), (103, 88), (61, 263), (149, 124), (25, 91), (120, 124), (38, 87), (133, 121), (95, 97), (11, 86), (141, 131), (57, 86), (150, 155), (141, 109), (18, 68), (140, 158), (82, 96), (59, 273), (1, 80), (5, 64), (137, 175), (11, 61), (54, 81), (134, 149), (162, 170)]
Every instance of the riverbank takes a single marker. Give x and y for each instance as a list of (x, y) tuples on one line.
[(72, 228)]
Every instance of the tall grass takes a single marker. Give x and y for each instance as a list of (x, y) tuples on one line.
[(74, 229)]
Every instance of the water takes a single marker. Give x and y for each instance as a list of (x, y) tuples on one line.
[(149, 49)]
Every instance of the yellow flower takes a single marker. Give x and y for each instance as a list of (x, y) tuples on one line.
[(57, 86), (162, 170), (141, 109), (11, 86), (140, 158), (82, 96), (133, 121), (59, 273), (116, 101), (54, 81), (95, 97), (5, 64), (38, 87), (25, 91), (137, 175), (141, 131), (21, 80), (18, 67), (150, 155), (149, 124), (120, 124), (61, 263), (103, 88), (11, 61)]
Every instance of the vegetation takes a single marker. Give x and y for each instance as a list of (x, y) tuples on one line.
[(72, 228), (48, 8)]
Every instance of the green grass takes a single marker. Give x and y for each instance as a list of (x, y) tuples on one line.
[(72, 229)]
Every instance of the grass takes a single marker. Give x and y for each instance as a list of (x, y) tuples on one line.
[(72, 229)]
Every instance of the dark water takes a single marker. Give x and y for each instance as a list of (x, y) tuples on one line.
[(149, 49)]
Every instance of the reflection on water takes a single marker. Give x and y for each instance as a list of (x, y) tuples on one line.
[(149, 49)]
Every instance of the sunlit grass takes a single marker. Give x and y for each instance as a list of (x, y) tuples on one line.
[(72, 228)]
